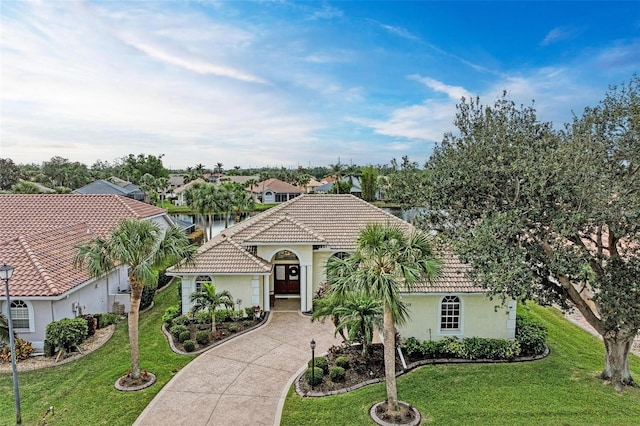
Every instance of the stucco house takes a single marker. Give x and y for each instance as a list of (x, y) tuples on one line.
[(283, 252), (274, 191), (39, 236), (114, 186)]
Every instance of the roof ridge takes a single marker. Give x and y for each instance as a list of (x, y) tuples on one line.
[(303, 226), (33, 258), (255, 259)]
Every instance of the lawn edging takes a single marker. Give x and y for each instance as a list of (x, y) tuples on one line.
[(169, 337), (410, 367)]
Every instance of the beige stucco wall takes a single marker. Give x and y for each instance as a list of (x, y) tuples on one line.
[(238, 285), (481, 317)]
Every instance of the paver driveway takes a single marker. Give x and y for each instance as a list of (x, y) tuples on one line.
[(243, 381)]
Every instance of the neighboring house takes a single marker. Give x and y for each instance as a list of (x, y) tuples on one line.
[(283, 252), (310, 187), (242, 180), (39, 236), (113, 186), (355, 186), (274, 191), (179, 192)]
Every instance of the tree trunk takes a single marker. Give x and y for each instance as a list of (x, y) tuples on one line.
[(213, 321), (389, 334), (134, 310), (617, 346)]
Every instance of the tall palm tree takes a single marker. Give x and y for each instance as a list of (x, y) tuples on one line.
[(241, 201), (208, 299), (337, 171), (140, 245), (387, 259)]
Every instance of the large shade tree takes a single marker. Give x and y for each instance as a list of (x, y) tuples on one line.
[(549, 216), (387, 259), (142, 246)]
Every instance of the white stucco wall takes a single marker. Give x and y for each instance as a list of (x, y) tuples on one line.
[(481, 317)]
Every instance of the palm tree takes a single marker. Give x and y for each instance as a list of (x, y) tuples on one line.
[(386, 259), (142, 246), (241, 201), (360, 315), (162, 183), (208, 299), (337, 171)]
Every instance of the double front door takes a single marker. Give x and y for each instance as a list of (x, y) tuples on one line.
[(287, 279)]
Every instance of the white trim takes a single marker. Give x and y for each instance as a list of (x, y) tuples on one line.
[(32, 318), (451, 332)]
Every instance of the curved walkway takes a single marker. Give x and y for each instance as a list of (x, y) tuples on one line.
[(243, 381)]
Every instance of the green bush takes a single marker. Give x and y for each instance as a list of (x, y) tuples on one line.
[(342, 361), (451, 347), (481, 348), (223, 315), (177, 329), (320, 362), (67, 333), (313, 377), (336, 374), (202, 337), (49, 349), (202, 317), (184, 335), (248, 312), (233, 327), (246, 323), (148, 293), (91, 324), (171, 313), (181, 320), (412, 347), (189, 346), (531, 335), (107, 319)]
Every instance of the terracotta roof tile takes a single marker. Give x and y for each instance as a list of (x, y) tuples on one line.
[(276, 185), (330, 220), (40, 233)]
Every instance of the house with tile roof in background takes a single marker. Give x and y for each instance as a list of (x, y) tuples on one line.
[(283, 252), (39, 236), (113, 185), (274, 191)]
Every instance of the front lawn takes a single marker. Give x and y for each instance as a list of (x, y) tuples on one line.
[(82, 391), (559, 390)]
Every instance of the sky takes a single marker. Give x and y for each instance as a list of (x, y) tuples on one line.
[(288, 84)]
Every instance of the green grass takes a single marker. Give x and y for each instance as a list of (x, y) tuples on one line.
[(82, 391), (561, 389)]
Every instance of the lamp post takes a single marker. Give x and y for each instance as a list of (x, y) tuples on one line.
[(5, 273), (313, 363)]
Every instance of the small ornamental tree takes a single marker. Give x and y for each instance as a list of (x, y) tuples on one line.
[(208, 299)]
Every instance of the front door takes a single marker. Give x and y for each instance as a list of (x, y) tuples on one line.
[(287, 279)]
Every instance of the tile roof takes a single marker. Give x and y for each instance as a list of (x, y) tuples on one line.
[(276, 185), (39, 234), (452, 279), (333, 221)]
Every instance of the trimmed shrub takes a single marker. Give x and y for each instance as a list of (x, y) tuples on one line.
[(171, 313), (202, 317), (148, 293), (107, 319), (320, 362), (412, 347), (189, 346), (248, 312), (342, 361), (451, 347), (336, 374), (67, 333), (481, 348), (313, 377), (177, 329), (531, 335), (163, 279), (223, 315), (246, 323), (49, 349), (233, 328), (185, 335), (202, 337), (91, 324), (181, 320)]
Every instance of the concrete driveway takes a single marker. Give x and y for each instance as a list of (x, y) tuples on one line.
[(243, 381)]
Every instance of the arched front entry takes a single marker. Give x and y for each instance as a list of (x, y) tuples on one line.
[(286, 275)]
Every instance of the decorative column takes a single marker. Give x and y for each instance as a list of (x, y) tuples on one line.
[(303, 288), (266, 305)]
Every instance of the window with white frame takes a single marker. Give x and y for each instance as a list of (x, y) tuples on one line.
[(201, 279), (20, 314), (450, 314)]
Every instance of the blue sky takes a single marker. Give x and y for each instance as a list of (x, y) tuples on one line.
[(285, 83)]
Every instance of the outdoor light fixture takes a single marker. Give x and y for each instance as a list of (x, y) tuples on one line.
[(6, 271), (313, 363)]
